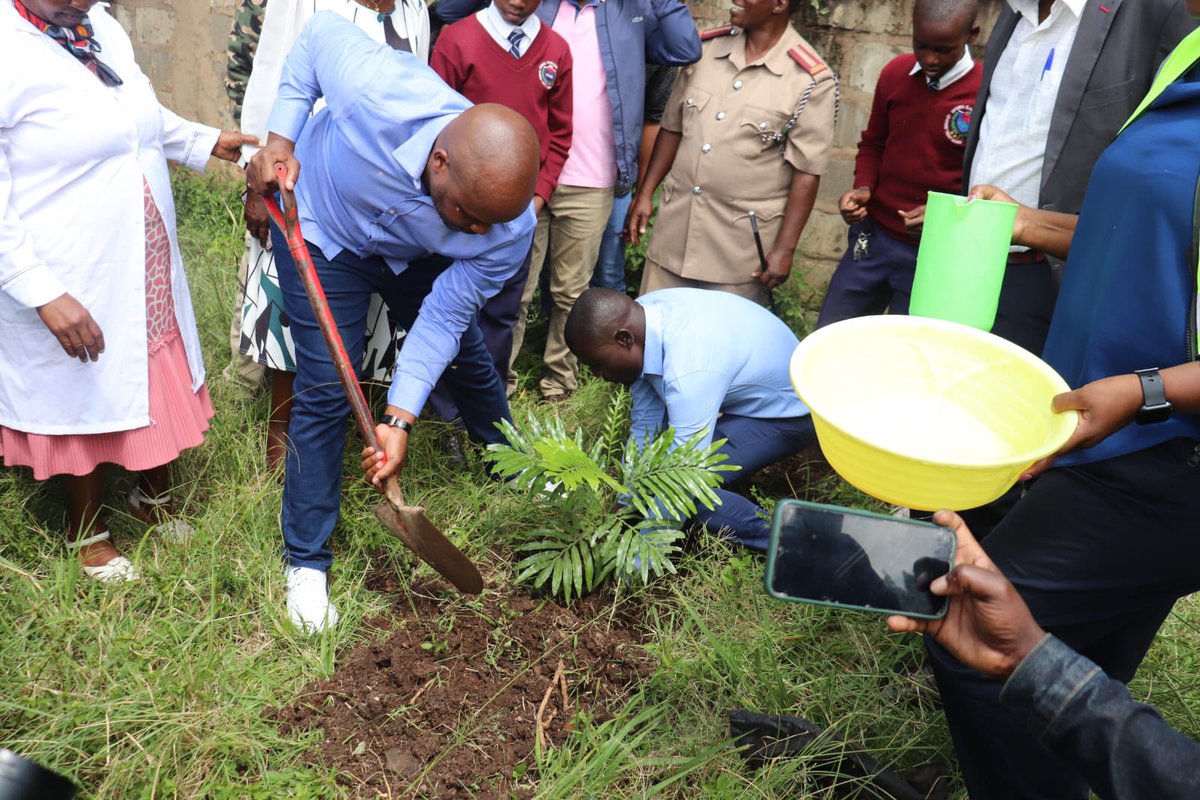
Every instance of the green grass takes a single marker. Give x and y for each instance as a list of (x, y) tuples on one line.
[(158, 688)]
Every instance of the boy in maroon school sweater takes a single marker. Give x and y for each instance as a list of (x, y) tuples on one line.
[(504, 54), (914, 143)]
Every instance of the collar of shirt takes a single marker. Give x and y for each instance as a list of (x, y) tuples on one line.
[(1029, 8), (775, 61), (958, 71), (413, 155), (500, 28), (652, 347)]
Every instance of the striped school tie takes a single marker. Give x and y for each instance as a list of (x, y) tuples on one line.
[(515, 38)]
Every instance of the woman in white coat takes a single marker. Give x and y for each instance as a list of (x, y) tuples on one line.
[(99, 358), (265, 337)]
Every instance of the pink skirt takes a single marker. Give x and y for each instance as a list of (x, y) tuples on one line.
[(178, 416)]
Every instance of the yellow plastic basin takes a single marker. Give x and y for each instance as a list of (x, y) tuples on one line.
[(925, 413)]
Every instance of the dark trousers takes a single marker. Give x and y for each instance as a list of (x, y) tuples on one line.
[(496, 321), (880, 280), (313, 482), (752, 444), (1100, 553), (1027, 299)]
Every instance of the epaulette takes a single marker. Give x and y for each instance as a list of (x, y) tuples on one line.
[(803, 55), (713, 33)]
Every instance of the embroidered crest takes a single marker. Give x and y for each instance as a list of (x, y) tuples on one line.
[(548, 73), (958, 123)]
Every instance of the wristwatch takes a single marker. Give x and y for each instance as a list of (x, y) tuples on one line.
[(396, 422), (1155, 406)]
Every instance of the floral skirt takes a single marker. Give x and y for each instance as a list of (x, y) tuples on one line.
[(178, 416)]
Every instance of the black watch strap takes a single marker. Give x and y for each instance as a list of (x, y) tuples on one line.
[(396, 422), (1155, 406)]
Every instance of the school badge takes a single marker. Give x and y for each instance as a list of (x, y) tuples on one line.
[(548, 73), (958, 123)]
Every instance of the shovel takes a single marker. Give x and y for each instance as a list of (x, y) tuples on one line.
[(407, 523)]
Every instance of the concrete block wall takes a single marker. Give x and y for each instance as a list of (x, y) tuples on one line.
[(181, 46)]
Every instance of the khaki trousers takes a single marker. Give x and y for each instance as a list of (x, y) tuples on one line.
[(572, 226), (655, 276)]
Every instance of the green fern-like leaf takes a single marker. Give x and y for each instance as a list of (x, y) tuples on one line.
[(662, 478)]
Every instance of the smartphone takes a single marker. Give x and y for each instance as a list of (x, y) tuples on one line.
[(845, 558)]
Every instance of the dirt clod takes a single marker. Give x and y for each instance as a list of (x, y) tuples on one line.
[(449, 703)]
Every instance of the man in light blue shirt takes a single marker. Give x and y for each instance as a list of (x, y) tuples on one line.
[(699, 360), (409, 191)]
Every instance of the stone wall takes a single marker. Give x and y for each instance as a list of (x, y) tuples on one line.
[(181, 46)]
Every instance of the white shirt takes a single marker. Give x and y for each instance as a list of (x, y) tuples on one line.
[(500, 28), (1020, 103), (74, 156), (282, 22), (956, 73)]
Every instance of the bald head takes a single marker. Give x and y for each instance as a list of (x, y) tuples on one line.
[(606, 330), (491, 161)]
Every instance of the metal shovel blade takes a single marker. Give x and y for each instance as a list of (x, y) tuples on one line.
[(410, 525)]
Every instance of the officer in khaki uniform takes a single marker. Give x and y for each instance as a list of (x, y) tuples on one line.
[(741, 143)]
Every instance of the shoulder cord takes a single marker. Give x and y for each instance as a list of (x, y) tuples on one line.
[(779, 137)]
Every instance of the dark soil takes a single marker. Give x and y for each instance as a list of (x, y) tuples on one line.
[(450, 701)]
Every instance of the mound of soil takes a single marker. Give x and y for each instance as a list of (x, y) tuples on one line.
[(452, 701)]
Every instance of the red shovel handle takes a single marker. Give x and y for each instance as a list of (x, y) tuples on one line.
[(288, 222)]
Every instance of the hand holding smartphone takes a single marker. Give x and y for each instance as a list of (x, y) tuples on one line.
[(840, 557)]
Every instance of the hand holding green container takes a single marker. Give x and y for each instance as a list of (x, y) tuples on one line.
[(961, 259)]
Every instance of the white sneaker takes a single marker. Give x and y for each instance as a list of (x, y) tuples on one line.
[(308, 603)]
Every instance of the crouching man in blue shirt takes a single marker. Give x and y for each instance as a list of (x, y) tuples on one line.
[(409, 191), (700, 360)]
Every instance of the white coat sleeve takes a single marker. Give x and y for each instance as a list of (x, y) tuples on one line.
[(186, 142), (24, 277)]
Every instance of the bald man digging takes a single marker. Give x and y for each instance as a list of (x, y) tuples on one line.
[(406, 190)]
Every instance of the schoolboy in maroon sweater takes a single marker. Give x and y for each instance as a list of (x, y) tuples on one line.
[(913, 143), (504, 54), (537, 84)]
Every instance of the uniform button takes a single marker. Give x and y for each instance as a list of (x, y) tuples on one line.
[(762, 126), (720, 115), (691, 102), (706, 148), (737, 85), (696, 190)]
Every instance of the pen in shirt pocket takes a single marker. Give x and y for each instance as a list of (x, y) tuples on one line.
[(1049, 64)]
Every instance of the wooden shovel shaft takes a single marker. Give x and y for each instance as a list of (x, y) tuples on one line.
[(288, 221)]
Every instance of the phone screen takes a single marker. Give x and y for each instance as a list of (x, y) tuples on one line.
[(821, 554)]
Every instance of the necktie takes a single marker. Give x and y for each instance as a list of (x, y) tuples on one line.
[(934, 84), (515, 38)]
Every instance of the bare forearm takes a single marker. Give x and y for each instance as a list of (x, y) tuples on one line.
[(666, 145), (1050, 232), (801, 197)]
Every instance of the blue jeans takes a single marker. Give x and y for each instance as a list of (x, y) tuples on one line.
[(610, 263), (312, 487), (752, 444)]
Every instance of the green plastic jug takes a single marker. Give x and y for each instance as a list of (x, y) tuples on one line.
[(961, 259)]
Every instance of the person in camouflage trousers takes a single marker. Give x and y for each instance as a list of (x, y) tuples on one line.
[(243, 371), (243, 41)]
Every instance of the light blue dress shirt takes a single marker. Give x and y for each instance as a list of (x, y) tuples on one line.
[(362, 158), (710, 352)]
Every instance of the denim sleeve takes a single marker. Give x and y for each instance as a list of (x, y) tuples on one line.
[(1123, 748)]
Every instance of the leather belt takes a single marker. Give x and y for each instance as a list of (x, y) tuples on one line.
[(1027, 257)]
